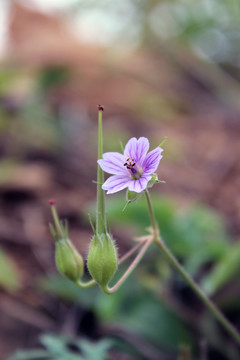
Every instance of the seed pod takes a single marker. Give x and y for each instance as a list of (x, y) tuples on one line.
[(68, 260), (102, 258)]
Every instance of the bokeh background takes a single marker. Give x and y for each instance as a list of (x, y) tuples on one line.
[(161, 69)]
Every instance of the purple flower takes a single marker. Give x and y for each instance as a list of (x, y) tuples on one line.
[(133, 169)]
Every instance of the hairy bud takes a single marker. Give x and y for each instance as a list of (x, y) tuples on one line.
[(102, 258), (68, 260)]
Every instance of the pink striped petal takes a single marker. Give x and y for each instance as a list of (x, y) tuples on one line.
[(151, 161), (116, 183), (113, 163), (140, 184), (136, 149)]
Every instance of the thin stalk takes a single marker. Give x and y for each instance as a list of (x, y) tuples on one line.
[(210, 305), (152, 216), (131, 268), (85, 285), (130, 252), (100, 216), (173, 260)]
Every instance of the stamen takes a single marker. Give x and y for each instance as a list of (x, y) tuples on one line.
[(135, 173)]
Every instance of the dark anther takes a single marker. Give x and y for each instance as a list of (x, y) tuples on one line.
[(125, 164)]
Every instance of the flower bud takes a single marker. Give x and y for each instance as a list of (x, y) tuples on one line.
[(68, 260), (102, 258), (154, 180)]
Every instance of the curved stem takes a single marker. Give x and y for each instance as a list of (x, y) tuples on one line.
[(85, 285), (130, 252), (151, 214), (131, 268), (211, 306)]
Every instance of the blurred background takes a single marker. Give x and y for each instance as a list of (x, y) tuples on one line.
[(161, 69)]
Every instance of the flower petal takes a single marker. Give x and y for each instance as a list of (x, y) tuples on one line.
[(142, 148), (136, 149), (116, 183), (130, 148), (151, 162), (140, 184), (113, 163)]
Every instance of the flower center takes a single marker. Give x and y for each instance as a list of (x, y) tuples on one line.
[(131, 166)]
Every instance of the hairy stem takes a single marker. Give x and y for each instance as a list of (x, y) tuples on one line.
[(100, 216)]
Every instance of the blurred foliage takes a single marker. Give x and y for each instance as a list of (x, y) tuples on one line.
[(9, 275), (53, 77), (134, 308), (210, 27), (25, 115), (32, 119), (226, 269), (60, 348)]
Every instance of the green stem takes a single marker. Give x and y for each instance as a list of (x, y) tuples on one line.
[(100, 216), (210, 305), (85, 285), (131, 268), (151, 214)]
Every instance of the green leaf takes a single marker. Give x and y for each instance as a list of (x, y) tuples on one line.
[(93, 351), (54, 344), (57, 349), (30, 355)]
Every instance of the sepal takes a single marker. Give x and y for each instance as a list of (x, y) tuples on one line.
[(154, 180)]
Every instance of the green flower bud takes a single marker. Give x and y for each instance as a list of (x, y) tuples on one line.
[(154, 180), (102, 258), (68, 260)]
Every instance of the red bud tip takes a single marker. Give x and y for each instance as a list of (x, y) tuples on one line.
[(52, 202), (100, 107)]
